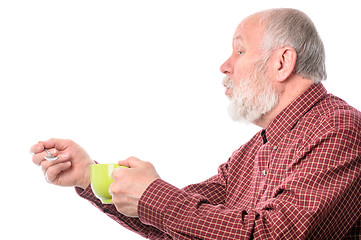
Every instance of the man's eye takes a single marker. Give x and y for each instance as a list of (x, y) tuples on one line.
[(240, 53)]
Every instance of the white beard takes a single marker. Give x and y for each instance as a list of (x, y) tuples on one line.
[(254, 97)]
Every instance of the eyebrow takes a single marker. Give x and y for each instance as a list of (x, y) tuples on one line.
[(237, 41), (238, 36)]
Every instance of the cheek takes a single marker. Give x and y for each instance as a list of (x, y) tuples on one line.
[(240, 72), (243, 64)]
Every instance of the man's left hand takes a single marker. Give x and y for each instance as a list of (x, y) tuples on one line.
[(130, 183)]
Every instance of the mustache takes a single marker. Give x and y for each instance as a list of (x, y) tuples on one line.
[(227, 82)]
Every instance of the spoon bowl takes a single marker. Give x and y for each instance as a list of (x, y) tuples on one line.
[(50, 157)]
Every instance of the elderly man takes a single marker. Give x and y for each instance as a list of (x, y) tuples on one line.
[(299, 177)]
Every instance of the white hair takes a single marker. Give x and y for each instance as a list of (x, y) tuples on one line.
[(293, 28)]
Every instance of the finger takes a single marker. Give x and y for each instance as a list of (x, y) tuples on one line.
[(53, 172), (37, 148), (131, 162), (59, 144), (117, 172), (124, 163), (38, 158), (45, 164), (110, 189)]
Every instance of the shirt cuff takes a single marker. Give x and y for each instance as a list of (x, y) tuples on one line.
[(154, 201), (85, 193)]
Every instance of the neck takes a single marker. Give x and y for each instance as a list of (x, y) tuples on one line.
[(289, 92)]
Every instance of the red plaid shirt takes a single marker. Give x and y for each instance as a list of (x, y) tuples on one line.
[(297, 179)]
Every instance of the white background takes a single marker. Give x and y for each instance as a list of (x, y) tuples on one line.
[(126, 78)]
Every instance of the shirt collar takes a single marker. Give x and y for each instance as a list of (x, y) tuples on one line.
[(289, 117)]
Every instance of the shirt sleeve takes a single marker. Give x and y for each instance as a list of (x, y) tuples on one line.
[(130, 223), (214, 188), (187, 215), (318, 197)]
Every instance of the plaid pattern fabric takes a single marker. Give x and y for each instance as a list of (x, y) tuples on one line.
[(297, 179)]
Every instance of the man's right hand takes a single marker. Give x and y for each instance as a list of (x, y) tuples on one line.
[(71, 169)]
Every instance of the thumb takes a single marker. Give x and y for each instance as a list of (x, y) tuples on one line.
[(131, 162), (59, 144)]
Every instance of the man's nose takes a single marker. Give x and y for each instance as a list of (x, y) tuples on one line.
[(226, 67)]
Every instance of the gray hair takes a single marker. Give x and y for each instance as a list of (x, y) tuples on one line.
[(293, 28)]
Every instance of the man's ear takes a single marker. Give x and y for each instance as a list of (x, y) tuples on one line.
[(285, 61)]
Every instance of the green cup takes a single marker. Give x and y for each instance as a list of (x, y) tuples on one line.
[(101, 178)]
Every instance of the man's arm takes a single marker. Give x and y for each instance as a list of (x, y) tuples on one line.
[(214, 188), (314, 199), (131, 223)]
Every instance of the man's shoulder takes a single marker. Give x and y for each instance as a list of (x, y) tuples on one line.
[(334, 112), (330, 132), (331, 119)]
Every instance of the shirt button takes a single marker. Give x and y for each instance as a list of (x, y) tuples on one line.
[(264, 172), (274, 147)]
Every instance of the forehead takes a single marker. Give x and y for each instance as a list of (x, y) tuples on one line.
[(249, 32)]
